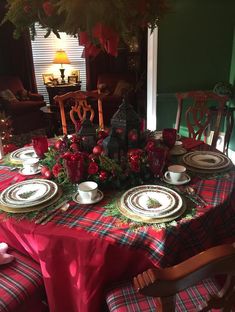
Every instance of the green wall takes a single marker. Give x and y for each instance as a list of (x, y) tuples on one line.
[(195, 51)]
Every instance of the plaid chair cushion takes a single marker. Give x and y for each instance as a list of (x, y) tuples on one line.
[(126, 299), (19, 281)]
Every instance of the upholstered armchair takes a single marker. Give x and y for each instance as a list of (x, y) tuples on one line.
[(21, 105), (112, 88)]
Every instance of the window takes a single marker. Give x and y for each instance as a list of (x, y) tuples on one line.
[(43, 54)]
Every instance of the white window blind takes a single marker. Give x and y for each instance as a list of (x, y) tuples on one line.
[(44, 50)]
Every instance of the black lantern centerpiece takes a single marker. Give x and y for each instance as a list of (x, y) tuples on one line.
[(88, 134), (126, 125), (111, 145)]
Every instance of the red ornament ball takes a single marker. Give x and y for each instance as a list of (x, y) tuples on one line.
[(133, 136), (58, 144), (103, 175), (97, 150)]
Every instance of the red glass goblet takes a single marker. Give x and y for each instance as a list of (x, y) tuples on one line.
[(74, 169), (157, 160), (169, 137), (40, 145)]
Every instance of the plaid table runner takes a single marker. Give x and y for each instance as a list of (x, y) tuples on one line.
[(211, 225)]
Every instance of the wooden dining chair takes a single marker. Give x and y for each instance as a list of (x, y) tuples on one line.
[(199, 115), (200, 283), (77, 101), (21, 285)]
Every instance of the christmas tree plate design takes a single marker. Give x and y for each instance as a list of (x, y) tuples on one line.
[(207, 160), (153, 201), (28, 193)]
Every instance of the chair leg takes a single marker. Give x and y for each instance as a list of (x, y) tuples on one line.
[(167, 304), (100, 112), (225, 298)]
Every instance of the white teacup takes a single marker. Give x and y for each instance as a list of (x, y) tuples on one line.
[(88, 190), (30, 165), (175, 173), (178, 144)]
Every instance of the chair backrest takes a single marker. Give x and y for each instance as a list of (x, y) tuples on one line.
[(165, 283), (199, 115), (79, 107)]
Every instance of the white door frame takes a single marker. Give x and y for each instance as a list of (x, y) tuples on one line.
[(152, 79)]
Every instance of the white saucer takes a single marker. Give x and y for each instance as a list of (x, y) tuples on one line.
[(178, 151), (186, 178), (79, 200), (25, 173)]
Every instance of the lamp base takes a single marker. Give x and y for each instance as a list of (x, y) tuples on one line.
[(62, 75)]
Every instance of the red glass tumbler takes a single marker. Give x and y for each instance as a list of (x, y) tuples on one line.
[(169, 137), (40, 145)]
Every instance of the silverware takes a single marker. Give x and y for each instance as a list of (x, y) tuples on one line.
[(63, 208), (14, 168), (51, 213), (191, 191)]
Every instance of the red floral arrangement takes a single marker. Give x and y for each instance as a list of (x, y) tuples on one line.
[(66, 162)]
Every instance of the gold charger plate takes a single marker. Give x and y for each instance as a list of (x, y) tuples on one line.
[(129, 214), (34, 208)]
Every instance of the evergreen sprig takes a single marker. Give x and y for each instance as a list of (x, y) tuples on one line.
[(127, 18)]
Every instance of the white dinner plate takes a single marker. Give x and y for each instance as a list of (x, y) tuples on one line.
[(153, 201), (21, 154), (206, 160), (28, 193)]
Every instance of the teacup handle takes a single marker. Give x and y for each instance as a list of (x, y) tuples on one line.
[(167, 175)]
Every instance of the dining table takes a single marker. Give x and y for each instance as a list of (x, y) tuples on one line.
[(87, 248)]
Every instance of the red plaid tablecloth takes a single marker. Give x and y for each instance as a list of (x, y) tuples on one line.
[(82, 251)]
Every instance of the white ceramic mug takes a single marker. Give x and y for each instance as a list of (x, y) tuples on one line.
[(30, 165), (175, 173), (88, 190)]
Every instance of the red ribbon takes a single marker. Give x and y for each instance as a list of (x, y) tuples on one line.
[(108, 39)]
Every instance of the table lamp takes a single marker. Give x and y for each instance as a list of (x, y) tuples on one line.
[(61, 58)]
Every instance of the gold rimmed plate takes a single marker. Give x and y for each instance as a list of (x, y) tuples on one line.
[(153, 201), (19, 155), (28, 193), (34, 208), (148, 220), (206, 160)]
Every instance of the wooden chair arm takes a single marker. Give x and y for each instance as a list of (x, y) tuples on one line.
[(159, 282)]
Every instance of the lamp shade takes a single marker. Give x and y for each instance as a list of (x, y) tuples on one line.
[(61, 58)]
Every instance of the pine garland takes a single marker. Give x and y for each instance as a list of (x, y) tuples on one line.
[(126, 17), (113, 210)]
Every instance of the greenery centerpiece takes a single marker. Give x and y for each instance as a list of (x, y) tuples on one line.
[(134, 168), (99, 24)]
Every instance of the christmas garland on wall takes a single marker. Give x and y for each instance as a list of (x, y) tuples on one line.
[(100, 24)]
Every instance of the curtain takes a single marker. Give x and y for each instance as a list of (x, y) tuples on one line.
[(16, 54)]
